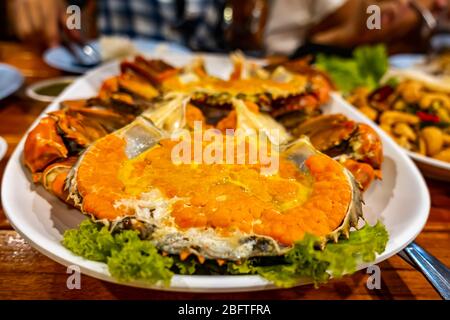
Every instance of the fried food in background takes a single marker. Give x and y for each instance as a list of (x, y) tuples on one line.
[(415, 116)]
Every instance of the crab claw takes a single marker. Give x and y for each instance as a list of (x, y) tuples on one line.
[(44, 145), (364, 173), (367, 146), (357, 145), (54, 177)]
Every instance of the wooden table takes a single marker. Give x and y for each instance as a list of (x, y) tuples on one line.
[(27, 274)]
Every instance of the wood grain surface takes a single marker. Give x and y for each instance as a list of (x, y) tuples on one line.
[(27, 274)]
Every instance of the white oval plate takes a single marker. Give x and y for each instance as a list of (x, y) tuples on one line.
[(401, 200)]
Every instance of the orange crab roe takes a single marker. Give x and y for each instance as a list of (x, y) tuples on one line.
[(226, 197), (324, 210), (97, 180)]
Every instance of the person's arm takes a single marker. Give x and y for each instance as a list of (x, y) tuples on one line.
[(35, 20), (39, 21), (347, 26)]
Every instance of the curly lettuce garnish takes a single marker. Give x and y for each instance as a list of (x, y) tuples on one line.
[(130, 258), (336, 260), (365, 69), (127, 256)]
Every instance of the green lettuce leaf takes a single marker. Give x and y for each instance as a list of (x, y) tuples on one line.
[(90, 240), (130, 258), (364, 69), (372, 61), (127, 256), (304, 260), (187, 267), (344, 72), (137, 259)]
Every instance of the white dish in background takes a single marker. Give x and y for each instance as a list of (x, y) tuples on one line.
[(3, 148), (32, 90), (10, 80), (406, 60), (59, 58), (430, 167), (401, 199)]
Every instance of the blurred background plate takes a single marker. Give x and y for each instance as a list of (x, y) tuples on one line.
[(402, 61), (3, 148), (60, 58), (48, 90), (430, 167), (10, 80)]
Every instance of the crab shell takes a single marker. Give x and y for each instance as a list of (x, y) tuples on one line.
[(150, 213)]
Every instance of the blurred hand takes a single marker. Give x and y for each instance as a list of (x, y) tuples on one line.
[(397, 20), (37, 20)]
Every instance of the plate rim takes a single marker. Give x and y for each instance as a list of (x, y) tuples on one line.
[(428, 160), (259, 283)]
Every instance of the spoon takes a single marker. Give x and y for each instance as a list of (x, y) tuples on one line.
[(84, 54), (434, 270)]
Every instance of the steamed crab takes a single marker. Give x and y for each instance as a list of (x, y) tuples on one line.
[(214, 211), (172, 98), (290, 92)]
